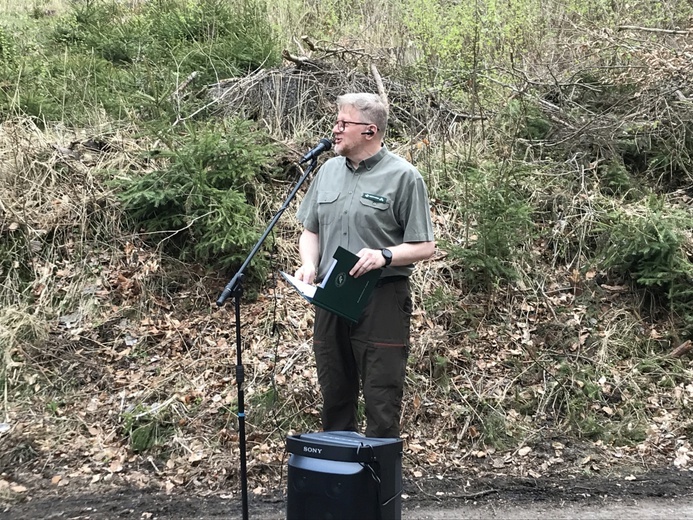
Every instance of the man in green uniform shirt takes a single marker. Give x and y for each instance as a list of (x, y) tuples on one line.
[(375, 204)]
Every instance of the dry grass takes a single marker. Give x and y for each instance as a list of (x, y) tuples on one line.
[(60, 228)]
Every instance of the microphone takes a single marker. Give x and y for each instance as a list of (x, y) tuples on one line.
[(323, 146)]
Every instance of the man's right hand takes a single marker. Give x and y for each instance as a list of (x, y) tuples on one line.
[(309, 251), (306, 273)]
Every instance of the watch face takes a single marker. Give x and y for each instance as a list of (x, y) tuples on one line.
[(388, 256)]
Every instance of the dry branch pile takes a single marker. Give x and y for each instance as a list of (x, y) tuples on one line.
[(298, 101)]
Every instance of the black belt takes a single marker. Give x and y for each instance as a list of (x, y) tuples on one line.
[(390, 279)]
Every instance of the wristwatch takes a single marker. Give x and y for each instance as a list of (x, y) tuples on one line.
[(387, 255)]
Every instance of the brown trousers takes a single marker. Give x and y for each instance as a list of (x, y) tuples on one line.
[(372, 355)]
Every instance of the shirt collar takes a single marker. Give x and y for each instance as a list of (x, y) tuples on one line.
[(369, 163)]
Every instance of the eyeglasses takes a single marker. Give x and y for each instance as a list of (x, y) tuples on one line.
[(341, 124)]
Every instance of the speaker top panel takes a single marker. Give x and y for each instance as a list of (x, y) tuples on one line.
[(343, 446)]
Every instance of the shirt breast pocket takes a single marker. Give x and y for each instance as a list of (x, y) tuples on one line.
[(327, 207), (374, 214)]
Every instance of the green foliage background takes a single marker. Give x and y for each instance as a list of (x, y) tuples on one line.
[(105, 59), (102, 62), (527, 191)]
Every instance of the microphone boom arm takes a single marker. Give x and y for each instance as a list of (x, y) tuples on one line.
[(230, 287)]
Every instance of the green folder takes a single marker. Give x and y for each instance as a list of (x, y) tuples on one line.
[(339, 292)]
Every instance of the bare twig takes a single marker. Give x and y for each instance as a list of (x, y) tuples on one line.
[(379, 82), (300, 60), (651, 29), (544, 103), (682, 349), (176, 93), (335, 51), (472, 495)]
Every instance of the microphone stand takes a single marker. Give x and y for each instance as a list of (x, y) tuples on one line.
[(235, 288)]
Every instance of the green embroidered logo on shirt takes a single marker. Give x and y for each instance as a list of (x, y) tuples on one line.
[(374, 198)]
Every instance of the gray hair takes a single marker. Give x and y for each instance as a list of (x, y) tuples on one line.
[(370, 105)]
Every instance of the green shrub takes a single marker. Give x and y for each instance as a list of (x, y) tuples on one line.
[(650, 246), (148, 426), (522, 120), (498, 217), (615, 179), (216, 38), (8, 51), (192, 21), (660, 151), (103, 58), (200, 205), (455, 36), (172, 29)]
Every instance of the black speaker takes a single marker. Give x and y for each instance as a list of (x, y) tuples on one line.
[(343, 476)]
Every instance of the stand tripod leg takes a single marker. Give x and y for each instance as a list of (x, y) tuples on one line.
[(240, 378)]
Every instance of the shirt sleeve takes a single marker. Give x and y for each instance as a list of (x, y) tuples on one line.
[(416, 211), (307, 212)]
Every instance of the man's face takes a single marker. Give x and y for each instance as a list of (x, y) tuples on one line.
[(347, 135)]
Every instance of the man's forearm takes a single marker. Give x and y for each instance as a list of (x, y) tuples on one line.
[(411, 252), (402, 254), (309, 248), (309, 251)]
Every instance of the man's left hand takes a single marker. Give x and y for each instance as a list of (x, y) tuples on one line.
[(369, 259)]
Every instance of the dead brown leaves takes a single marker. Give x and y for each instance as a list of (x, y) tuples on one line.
[(482, 398)]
